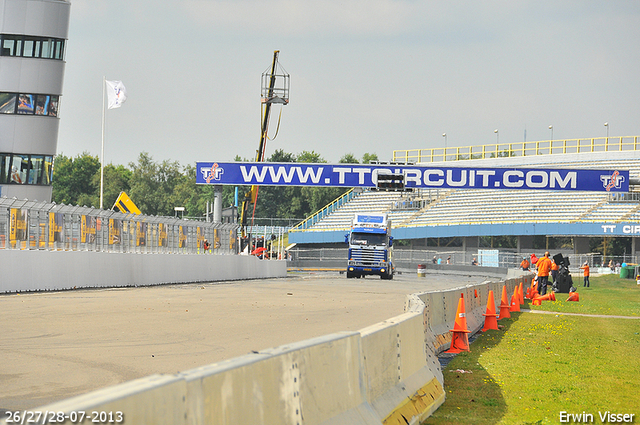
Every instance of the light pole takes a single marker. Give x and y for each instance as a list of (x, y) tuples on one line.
[(497, 136), (551, 128), (607, 125), (445, 145)]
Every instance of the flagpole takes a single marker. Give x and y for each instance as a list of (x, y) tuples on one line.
[(102, 153)]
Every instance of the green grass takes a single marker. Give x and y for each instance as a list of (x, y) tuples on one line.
[(607, 294), (538, 365)]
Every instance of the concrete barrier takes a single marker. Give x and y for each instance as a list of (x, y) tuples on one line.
[(57, 270), (387, 373)]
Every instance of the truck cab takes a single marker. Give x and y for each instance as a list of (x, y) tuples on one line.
[(370, 246)]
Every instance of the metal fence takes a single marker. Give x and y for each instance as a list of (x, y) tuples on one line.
[(408, 258), (32, 225), (503, 150)]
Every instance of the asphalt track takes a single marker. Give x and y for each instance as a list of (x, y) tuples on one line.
[(59, 344)]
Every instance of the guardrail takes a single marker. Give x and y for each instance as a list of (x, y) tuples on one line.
[(386, 373), (545, 147), (32, 225)]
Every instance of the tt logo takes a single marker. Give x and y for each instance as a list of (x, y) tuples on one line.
[(613, 181), (213, 173)]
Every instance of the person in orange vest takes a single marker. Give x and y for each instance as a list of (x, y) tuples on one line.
[(554, 271), (524, 264), (544, 266), (585, 267)]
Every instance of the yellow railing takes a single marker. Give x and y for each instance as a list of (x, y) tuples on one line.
[(545, 147), (323, 212)]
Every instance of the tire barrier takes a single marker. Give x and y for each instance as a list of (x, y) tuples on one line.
[(387, 373)]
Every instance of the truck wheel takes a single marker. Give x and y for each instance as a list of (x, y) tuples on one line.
[(350, 275)]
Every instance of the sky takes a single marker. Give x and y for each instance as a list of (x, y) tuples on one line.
[(367, 76)]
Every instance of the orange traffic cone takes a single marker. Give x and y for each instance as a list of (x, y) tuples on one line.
[(504, 305), (490, 321), (534, 290), (549, 297), (460, 339), (521, 294), (536, 301), (573, 296), (515, 301), (529, 295)]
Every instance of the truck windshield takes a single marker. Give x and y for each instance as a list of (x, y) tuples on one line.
[(372, 239)]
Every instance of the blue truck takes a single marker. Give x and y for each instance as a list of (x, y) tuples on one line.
[(370, 246)]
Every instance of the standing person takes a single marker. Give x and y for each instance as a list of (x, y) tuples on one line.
[(524, 264), (544, 266), (435, 260), (474, 262), (554, 271), (449, 260), (585, 267)]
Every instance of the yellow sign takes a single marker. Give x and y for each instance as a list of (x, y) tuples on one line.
[(124, 204)]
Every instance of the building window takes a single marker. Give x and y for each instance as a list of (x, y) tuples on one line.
[(32, 47), (29, 104), (8, 103), (25, 169), (25, 103)]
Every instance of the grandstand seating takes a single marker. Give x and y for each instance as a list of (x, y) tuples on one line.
[(485, 206)]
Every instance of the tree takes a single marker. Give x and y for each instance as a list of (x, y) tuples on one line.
[(348, 158), (368, 157), (116, 180), (74, 178), (270, 197), (152, 185)]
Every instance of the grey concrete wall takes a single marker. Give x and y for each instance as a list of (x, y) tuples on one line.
[(386, 373), (57, 270)]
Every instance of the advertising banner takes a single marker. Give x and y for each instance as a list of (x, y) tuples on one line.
[(182, 237), (55, 228), (88, 227), (18, 226), (115, 231), (141, 233), (162, 235), (354, 175)]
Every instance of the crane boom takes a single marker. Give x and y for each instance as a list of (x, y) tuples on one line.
[(268, 98)]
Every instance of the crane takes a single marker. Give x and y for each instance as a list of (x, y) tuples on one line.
[(275, 90)]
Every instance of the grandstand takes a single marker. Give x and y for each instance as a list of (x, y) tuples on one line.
[(475, 212)]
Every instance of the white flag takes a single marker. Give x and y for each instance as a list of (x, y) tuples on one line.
[(116, 94)]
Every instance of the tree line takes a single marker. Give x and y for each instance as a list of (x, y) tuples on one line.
[(157, 187)]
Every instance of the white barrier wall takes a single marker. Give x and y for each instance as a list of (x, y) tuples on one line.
[(34, 270), (386, 374)]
